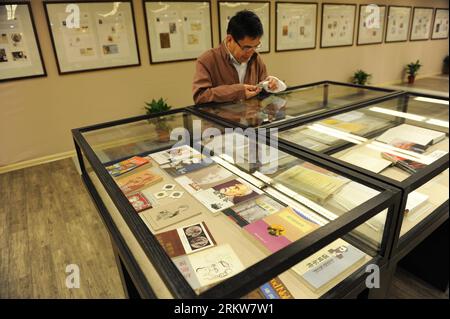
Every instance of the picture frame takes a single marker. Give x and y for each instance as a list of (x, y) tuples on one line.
[(20, 50), (338, 25), (440, 24), (421, 24), (184, 29), (92, 35), (397, 24), (227, 9), (371, 24), (296, 26)]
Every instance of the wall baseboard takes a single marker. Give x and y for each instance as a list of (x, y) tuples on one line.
[(36, 161)]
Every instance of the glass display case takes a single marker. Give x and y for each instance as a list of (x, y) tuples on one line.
[(304, 101), (195, 210), (402, 141)]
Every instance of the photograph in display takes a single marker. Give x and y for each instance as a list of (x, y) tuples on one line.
[(92, 35), (421, 24), (178, 31), (338, 22), (371, 24), (186, 240), (261, 8), (20, 54), (397, 24), (296, 25), (440, 25)]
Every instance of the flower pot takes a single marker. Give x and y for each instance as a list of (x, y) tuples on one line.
[(163, 134), (411, 79)]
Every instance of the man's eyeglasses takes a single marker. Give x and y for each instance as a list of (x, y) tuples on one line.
[(247, 48)]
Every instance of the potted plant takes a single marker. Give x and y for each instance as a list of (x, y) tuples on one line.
[(445, 70), (361, 77), (161, 125), (412, 69)]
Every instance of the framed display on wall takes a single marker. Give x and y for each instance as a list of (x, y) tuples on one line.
[(371, 24), (227, 9), (398, 24), (177, 30), (92, 35), (338, 24), (440, 25), (20, 53), (296, 25), (421, 24)]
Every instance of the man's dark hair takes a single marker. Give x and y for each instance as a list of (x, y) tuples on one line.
[(243, 24)]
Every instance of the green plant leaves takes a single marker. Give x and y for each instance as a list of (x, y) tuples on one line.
[(157, 106), (361, 77), (413, 67)]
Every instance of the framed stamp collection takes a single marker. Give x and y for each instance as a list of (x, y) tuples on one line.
[(227, 9), (296, 26), (90, 35), (398, 24), (178, 31), (440, 25), (371, 24), (20, 53), (338, 22), (421, 24)]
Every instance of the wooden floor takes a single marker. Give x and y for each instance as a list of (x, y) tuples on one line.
[(47, 221), (407, 286)]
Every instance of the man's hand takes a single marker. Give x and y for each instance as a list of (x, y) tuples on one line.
[(251, 90), (273, 83)]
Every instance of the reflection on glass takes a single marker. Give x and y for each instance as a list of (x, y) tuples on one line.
[(266, 109), (396, 138)]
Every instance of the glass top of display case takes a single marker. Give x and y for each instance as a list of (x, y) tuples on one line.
[(395, 138), (218, 213), (297, 102), (402, 141)]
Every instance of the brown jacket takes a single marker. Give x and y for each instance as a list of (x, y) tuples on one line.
[(216, 79)]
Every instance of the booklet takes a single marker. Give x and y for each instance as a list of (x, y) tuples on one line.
[(126, 165), (209, 266), (318, 270)]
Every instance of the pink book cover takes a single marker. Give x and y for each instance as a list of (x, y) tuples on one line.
[(259, 229)]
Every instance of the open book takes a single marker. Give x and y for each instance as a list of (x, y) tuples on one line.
[(411, 133)]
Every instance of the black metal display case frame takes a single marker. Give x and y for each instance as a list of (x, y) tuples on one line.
[(422, 235), (134, 278)]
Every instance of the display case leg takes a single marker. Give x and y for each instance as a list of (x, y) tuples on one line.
[(130, 289)]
